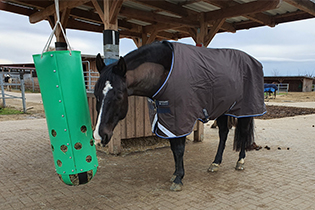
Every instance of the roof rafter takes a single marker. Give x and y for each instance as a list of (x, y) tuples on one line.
[(307, 6), (43, 14), (153, 17), (168, 7), (242, 9), (258, 17)]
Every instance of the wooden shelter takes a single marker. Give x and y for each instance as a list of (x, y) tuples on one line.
[(145, 21), (296, 83)]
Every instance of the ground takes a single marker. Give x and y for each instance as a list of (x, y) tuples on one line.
[(279, 178), (274, 179)]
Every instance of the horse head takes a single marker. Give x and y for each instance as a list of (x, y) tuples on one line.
[(111, 97)]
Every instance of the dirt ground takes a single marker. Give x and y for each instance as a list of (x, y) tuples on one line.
[(294, 97), (34, 110)]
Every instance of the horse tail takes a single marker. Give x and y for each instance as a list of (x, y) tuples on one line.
[(244, 133)]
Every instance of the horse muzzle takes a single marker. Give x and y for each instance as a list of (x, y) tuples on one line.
[(106, 139), (103, 135)]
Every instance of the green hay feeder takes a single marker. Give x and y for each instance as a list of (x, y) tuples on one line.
[(61, 82)]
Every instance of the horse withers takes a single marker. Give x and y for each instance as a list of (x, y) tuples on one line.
[(187, 84)]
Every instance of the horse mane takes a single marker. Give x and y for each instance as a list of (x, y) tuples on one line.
[(156, 52)]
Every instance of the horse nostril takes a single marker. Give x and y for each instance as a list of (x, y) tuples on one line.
[(104, 140)]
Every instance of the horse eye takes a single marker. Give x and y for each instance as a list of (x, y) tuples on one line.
[(120, 96)]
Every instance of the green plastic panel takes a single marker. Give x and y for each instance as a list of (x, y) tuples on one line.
[(61, 82)]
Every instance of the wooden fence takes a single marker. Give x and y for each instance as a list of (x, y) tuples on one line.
[(135, 125)]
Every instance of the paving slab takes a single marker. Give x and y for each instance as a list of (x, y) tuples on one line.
[(280, 178)]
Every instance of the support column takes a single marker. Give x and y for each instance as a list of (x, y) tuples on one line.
[(199, 133), (111, 46), (111, 54)]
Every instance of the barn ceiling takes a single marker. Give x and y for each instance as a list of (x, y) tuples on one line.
[(165, 19)]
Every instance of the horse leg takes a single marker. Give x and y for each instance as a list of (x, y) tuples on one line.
[(222, 122), (244, 137), (178, 149)]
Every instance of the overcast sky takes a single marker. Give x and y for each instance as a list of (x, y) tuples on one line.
[(285, 50)]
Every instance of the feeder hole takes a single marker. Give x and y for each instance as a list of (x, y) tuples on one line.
[(64, 148), (52, 148), (53, 133), (83, 129), (88, 158), (91, 142), (78, 146), (59, 163)]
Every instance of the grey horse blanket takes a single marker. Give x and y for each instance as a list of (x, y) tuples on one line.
[(204, 84)]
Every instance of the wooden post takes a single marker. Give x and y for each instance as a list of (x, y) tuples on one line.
[(108, 13), (114, 146)]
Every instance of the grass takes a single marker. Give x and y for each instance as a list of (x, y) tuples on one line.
[(8, 111)]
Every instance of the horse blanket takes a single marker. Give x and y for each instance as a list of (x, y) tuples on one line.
[(270, 88), (205, 83)]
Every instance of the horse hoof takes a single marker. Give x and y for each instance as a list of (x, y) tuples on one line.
[(173, 178), (240, 165), (213, 167), (176, 187)]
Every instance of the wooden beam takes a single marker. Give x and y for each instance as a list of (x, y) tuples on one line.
[(215, 28), (137, 42), (258, 17), (152, 37), (305, 5), (107, 18), (15, 9), (262, 18), (152, 17), (242, 9), (43, 14), (202, 30), (114, 10), (98, 9), (79, 25), (228, 27), (169, 7), (64, 21)]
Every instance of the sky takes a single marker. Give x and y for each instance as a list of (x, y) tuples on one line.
[(285, 50)]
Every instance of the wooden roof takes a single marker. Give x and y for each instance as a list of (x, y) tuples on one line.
[(148, 20)]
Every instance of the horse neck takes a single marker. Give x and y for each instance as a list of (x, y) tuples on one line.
[(146, 79), (148, 69)]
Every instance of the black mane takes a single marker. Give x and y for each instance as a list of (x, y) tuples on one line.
[(156, 52)]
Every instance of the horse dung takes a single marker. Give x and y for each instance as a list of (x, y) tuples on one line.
[(61, 82)]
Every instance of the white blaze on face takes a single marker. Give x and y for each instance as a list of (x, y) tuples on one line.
[(107, 88)]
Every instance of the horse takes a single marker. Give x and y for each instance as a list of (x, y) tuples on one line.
[(270, 89), (7, 79), (157, 71)]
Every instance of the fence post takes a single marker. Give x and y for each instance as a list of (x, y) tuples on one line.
[(2, 91), (23, 90)]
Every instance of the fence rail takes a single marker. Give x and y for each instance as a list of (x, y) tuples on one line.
[(19, 82), (283, 87), (90, 77)]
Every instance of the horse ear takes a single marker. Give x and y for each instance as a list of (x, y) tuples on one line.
[(99, 63), (120, 68)]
